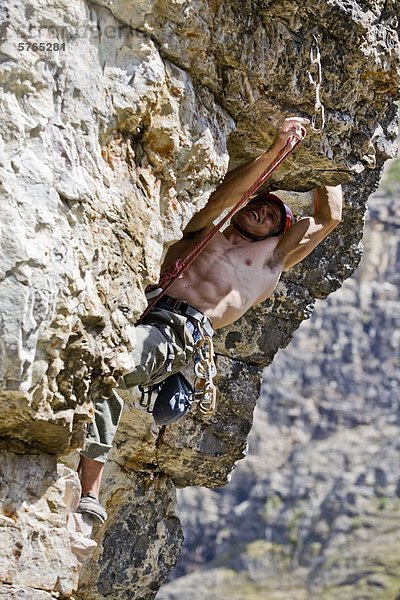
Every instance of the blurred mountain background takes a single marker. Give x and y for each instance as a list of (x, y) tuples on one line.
[(313, 512)]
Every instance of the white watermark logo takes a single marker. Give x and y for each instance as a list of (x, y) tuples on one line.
[(68, 34)]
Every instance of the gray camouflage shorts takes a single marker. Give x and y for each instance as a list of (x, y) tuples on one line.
[(165, 345)]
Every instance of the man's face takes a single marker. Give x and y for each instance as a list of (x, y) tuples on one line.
[(259, 218)]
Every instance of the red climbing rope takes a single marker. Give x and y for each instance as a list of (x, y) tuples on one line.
[(171, 273)]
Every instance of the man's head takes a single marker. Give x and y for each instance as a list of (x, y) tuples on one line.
[(264, 216)]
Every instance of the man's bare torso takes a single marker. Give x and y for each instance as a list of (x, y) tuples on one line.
[(227, 278)]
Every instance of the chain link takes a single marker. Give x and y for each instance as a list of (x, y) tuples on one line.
[(315, 77)]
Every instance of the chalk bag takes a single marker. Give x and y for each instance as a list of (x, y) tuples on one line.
[(174, 399)]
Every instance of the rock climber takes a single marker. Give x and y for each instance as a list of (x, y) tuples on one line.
[(239, 268)]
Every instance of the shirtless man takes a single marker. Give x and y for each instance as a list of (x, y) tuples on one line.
[(238, 269)]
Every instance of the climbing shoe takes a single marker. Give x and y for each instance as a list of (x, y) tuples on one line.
[(89, 505)]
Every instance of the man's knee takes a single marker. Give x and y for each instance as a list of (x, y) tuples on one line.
[(149, 356), (139, 376)]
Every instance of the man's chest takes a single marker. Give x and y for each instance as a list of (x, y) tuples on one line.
[(237, 266)]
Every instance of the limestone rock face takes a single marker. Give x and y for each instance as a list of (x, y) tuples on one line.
[(106, 158), (114, 133), (84, 199), (42, 542)]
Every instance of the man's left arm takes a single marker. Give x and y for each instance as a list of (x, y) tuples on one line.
[(308, 232)]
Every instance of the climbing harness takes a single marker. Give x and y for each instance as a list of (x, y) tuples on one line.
[(175, 394), (315, 77)]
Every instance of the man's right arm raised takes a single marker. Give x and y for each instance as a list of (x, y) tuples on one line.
[(239, 180)]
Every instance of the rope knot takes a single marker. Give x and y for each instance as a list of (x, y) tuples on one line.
[(171, 272)]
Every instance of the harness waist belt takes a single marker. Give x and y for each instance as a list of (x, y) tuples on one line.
[(183, 308)]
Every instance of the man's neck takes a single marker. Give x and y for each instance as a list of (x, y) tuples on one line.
[(234, 236)]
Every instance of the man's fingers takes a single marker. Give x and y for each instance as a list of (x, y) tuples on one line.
[(292, 130), (301, 120), (298, 123), (298, 132), (295, 126)]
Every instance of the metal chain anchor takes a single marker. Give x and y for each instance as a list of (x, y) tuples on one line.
[(318, 118), (205, 392)]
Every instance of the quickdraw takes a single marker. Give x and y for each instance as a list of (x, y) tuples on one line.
[(318, 118), (205, 392)]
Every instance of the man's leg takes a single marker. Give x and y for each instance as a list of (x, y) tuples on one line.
[(98, 444), (92, 471), (156, 348), (150, 354)]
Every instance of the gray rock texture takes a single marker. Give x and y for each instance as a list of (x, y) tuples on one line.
[(142, 540), (313, 511), (119, 120), (42, 541)]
